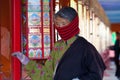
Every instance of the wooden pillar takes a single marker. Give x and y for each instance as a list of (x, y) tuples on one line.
[(16, 37), (64, 3)]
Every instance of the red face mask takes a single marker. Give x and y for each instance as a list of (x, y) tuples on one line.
[(67, 32)]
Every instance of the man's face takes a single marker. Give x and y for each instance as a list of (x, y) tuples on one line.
[(61, 22)]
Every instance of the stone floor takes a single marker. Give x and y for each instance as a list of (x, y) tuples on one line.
[(110, 72)]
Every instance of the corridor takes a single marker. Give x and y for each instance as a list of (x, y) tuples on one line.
[(28, 26)]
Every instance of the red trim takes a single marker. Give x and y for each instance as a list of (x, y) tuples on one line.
[(42, 28), (16, 37), (52, 30), (27, 29)]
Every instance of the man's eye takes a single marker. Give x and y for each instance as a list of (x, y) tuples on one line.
[(63, 24), (56, 24)]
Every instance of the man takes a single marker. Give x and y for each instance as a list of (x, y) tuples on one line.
[(117, 53)]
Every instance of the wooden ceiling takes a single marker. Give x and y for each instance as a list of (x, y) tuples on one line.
[(112, 10)]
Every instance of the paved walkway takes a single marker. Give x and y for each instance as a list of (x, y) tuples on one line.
[(110, 72)]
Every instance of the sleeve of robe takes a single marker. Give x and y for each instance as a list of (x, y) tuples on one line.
[(94, 64), (45, 72)]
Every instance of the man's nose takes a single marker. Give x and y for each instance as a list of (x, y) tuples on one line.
[(60, 25)]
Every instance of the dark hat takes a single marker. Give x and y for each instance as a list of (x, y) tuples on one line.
[(67, 13)]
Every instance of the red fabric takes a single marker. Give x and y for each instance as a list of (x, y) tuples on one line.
[(67, 32)]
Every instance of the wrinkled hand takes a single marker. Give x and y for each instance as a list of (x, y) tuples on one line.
[(23, 59), (16, 53)]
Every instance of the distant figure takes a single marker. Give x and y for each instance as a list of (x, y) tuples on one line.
[(117, 53)]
